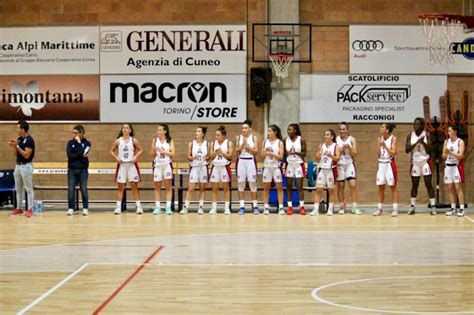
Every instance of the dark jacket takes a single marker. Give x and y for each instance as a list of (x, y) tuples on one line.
[(75, 154)]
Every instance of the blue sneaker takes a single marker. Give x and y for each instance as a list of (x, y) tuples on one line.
[(256, 211), (242, 211), (157, 211), (168, 211)]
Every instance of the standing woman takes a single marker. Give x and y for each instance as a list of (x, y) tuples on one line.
[(418, 144), (247, 150), (162, 150), (273, 152), (222, 151), (453, 152), (328, 154), (295, 152), (198, 159), (128, 151), (346, 170), (387, 170)]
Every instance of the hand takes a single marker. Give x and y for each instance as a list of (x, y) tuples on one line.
[(12, 143), (77, 138), (135, 159), (195, 157), (381, 143), (217, 151), (118, 160), (421, 140)]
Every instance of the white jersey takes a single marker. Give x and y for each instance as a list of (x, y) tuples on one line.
[(160, 158), (291, 147), (271, 161), (346, 157), (200, 151), (246, 154), (455, 148), (326, 161), (220, 159), (126, 150), (384, 155), (419, 153)]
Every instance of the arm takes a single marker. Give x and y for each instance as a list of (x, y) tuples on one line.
[(393, 150), (408, 146), (239, 148), (24, 153), (112, 150), (171, 152), (208, 157), (190, 151), (139, 150), (353, 149), (445, 150), (459, 155), (337, 154), (280, 155), (230, 154), (317, 156), (153, 151), (254, 151), (302, 154), (263, 153)]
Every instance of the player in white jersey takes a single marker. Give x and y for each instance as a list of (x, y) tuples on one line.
[(295, 150), (387, 169), (346, 170), (198, 156), (222, 150), (247, 149), (162, 152), (273, 151), (453, 152), (126, 150), (328, 153), (418, 144)]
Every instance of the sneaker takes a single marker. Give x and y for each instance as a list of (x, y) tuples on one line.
[(184, 211), (200, 211), (341, 212), (461, 213), (281, 211), (302, 211), (290, 211), (450, 213), (356, 211), (394, 213), (265, 211), (85, 212), (227, 211), (16, 212), (377, 213), (329, 213), (139, 210), (213, 211), (168, 211), (314, 212), (157, 211), (433, 211), (117, 211), (70, 212), (412, 210), (29, 213), (242, 211), (256, 211)]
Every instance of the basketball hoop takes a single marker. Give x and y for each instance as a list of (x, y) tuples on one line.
[(439, 30), (281, 63)]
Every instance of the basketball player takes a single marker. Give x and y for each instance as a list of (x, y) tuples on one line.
[(453, 152), (221, 154), (273, 151), (247, 149), (295, 150), (128, 151), (327, 154), (198, 155), (418, 144), (162, 150), (387, 170), (346, 170)]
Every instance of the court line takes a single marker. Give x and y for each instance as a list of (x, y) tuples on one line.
[(57, 286), (81, 245), (328, 264), (127, 281), (469, 218), (315, 296)]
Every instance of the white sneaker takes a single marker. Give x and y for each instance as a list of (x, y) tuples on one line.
[(227, 211), (85, 212), (266, 211), (184, 211), (70, 211), (200, 211), (314, 212), (394, 213), (213, 211), (117, 211), (281, 211), (461, 213), (341, 212), (139, 210), (451, 212), (329, 213)]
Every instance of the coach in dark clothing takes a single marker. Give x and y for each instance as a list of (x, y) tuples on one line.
[(77, 169)]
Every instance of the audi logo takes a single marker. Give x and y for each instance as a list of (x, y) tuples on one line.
[(367, 45)]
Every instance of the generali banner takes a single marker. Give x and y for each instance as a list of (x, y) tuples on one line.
[(173, 49), (49, 50), (403, 49), (368, 98), (49, 98), (173, 98)]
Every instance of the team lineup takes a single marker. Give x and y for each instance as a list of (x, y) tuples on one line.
[(283, 158)]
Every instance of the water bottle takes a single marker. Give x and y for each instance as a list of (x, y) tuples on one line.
[(35, 207)]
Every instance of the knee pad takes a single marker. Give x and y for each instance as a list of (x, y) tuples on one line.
[(253, 186), (241, 186)]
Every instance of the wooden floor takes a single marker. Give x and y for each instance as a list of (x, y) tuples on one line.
[(248, 264)]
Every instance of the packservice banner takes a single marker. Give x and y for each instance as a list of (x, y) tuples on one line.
[(368, 98)]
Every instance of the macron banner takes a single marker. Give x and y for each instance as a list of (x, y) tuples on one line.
[(173, 49), (173, 99), (49, 50), (368, 98), (403, 49)]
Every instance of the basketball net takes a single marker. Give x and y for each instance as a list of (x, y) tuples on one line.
[(281, 63), (439, 31)]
